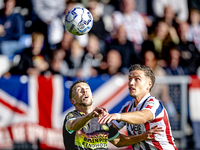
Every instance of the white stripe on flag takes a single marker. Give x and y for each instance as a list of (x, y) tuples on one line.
[(109, 88), (57, 103)]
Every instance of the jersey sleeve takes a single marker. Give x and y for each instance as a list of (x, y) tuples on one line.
[(125, 108), (70, 116), (154, 105)]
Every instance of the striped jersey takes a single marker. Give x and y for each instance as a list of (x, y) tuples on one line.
[(165, 141)]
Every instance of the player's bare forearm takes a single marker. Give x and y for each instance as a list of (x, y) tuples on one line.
[(123, 140), (78, 123), (138, 117)]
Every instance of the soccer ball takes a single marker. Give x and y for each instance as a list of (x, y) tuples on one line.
[(78, 21)]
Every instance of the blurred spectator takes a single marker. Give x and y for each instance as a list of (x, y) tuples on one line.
[(190, 56), (57, 63), (112, 63), (93, 55), (25, 9), (144, 7), (49, 19), (75, 60), (119, 42), (67, 40), (174, 67), (33, 60), (98, 27), (141, 6), (194, 4), (194, 28), (163, 39), (11, 29), (160, 91), (180, 8), (78, 62), (133, 22), (170, 16)]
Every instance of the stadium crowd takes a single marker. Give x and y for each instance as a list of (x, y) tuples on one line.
[(34, 39), (162, 34)]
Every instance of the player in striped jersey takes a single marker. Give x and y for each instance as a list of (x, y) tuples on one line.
[(143, 112), (81, 130)]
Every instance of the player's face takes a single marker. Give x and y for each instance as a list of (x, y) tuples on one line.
[(82, 94), (138, 84)]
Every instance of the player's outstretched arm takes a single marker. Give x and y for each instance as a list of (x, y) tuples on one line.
[(123, 140), (78, 123), (136, 117)]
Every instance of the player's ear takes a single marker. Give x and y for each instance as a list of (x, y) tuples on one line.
[(73, 101), (150, 84)]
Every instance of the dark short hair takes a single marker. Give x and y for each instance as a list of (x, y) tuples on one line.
[(148, 72), (71, 87)]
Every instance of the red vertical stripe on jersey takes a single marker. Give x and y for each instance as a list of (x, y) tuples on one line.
[(45, 94), (156, 143), (147, 126), (127, 108), (169, 137)]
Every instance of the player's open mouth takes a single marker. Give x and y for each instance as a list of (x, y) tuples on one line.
[(131, 89), (85, 97)]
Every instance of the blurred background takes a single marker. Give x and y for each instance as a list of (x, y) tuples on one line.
[(39, 60)]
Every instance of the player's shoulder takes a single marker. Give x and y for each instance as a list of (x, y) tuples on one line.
[(72, 114), (153, 100), (126, 106), (128, 103)]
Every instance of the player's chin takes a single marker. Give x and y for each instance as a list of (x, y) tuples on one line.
[(87, 103), (132, 94)]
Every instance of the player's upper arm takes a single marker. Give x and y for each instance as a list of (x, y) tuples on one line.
[(68, 124), (148, 115)]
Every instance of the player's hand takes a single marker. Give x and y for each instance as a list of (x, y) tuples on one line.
[(149, 134), (107, 118), (99, 111)]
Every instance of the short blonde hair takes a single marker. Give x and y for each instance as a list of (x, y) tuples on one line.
[(37, 36)]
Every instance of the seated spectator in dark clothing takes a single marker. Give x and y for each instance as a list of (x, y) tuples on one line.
[(163, 37), (34, 60), (75, 60), (93, 56), (190, 56), (112, 64), (98, 27), (57, 63), (11, 27), (67, 40), (174, 67), (125, 47)]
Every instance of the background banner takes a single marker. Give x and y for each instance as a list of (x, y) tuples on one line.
[(32, 109)]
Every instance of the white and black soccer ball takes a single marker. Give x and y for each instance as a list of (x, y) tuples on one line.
[(78, 21)]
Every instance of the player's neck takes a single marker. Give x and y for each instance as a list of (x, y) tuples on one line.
[(139, 98), (85, 109)]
